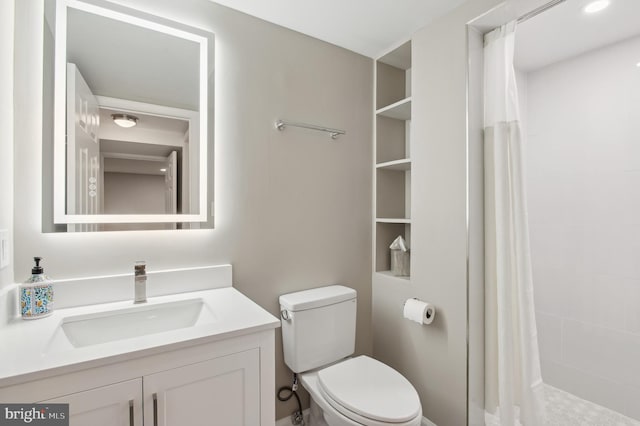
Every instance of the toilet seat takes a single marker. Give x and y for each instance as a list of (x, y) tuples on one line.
[(369, 392)]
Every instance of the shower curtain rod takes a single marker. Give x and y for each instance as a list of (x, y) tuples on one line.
[(538, 11)]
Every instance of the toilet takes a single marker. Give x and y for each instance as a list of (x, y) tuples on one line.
[(318, 338)]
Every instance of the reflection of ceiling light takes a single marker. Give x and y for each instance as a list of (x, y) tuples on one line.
[(124, 120), (596, 6), (163, 170), (638, 65)]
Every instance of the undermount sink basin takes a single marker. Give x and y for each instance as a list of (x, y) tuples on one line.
[(139, 320)]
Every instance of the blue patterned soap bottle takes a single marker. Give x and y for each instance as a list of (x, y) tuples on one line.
[(36, 294)]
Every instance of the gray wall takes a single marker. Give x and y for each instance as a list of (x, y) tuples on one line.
[(292, 208), (6, 126), (434, 357)]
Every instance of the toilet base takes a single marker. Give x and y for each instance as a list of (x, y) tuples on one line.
[(320, 417), (316, 417)]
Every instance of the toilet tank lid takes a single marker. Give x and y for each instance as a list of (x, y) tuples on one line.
[(316, 297)]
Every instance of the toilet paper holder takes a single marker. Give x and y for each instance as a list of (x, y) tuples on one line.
[(428, 313)]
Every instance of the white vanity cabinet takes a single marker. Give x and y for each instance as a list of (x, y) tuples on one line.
[(222, 391), (228, 382), (119, 404)]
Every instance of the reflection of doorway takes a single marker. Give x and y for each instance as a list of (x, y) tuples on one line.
[(139, 184), (145, 169), (157, 136)]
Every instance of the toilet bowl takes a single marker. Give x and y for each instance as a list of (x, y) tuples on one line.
[(318, 337), (361, 391)]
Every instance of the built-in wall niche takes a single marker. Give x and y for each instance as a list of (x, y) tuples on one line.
[(392, 185), (393, 78), (102, 61), (386, 232), (392, 136), (393, 192)]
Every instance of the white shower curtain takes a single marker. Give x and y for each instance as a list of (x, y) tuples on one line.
[(513, 383)]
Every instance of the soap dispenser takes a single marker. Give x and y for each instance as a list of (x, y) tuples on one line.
[(36, 294)]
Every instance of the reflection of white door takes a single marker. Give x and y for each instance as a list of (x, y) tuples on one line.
[(171, 184), (83, 165)]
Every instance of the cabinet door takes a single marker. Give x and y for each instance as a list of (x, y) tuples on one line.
[(114, 405), (224, 391)]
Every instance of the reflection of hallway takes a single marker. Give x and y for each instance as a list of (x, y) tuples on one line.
[(565, 409)]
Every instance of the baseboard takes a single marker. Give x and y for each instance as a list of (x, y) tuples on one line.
[(286, 421), (426, 422)]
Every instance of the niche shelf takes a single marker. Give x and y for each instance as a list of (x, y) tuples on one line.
[(393, 220), (396, 165), (400, 110), (392, 165), (388, 274)]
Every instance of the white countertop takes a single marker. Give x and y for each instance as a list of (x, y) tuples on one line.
[(34, 349)]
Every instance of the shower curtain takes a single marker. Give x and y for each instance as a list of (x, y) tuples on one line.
[(513, 382)]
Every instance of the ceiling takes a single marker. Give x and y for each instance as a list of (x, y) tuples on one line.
[(566, 31), (363, 26), (126, 61)]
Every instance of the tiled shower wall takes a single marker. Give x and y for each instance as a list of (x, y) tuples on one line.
[(582, 119)]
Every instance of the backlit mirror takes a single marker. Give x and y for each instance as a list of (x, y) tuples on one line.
[(130, 118)]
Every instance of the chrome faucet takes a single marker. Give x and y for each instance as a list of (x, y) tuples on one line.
[(140, 282)]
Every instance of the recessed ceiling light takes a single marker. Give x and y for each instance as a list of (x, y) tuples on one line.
[(124, 120), (638, 65), (163, 170), (596, 6)]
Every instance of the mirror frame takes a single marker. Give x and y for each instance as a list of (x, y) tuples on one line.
[(151, 22)]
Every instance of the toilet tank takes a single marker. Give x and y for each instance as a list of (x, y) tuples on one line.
[(318, 326)]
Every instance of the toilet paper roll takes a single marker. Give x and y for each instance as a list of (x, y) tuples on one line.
[(419, 311)]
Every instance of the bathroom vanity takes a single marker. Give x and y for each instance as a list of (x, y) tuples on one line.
[(179, 359)]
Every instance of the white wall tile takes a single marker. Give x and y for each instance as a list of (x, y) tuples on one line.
[(631, 306), (556, 247), (600, 301), (615, 249), (583, 183), (609, 201), (632, 406), (631, 185), (599, 351), (584, 385), (551, 290), (549, 336), (631, 354)]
